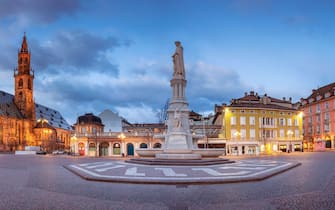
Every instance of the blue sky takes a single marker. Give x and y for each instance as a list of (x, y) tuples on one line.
[(94, 55)]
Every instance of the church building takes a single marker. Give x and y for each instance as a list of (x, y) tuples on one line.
[(24, 122)]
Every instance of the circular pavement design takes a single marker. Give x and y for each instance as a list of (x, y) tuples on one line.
[(240, 171)]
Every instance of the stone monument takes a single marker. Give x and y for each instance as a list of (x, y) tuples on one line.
[(178, 138), (179, 143)]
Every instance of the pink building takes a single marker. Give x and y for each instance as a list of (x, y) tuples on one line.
[(319, 118)]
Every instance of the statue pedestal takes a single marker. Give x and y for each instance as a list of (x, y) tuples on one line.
[(176, 156)]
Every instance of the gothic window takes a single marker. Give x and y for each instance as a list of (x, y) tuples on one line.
[(20, 83), (26, 60), (29, 84), (20, 95), (20, 61)]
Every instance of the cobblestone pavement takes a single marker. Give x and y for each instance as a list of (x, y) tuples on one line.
[(41, 182), (242, 170)]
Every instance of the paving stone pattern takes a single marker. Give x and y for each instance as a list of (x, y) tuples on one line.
[(42, 182), (242, 170)]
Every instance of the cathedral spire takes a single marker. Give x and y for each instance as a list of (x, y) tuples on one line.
[(24, 46)]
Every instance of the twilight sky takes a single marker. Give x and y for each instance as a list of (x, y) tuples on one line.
[(89, 56)]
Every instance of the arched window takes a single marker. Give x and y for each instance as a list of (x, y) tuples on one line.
[(116, 149), (143, 145), (29, 84), (157, 145), (20, 83)]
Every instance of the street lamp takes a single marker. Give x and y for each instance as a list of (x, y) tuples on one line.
[(205, 120), (122, 136), (289, 134)]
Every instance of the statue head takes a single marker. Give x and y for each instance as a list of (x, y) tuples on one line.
[(177, 43)]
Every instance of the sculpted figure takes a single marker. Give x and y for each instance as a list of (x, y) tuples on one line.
[(178, 61)]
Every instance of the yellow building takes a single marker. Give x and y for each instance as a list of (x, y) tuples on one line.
[(254, 124)]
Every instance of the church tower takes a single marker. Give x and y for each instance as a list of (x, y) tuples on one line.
[(24, 80)]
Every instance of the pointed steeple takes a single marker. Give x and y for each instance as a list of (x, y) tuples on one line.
[(24, 46)]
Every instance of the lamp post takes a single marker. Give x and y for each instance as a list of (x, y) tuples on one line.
[(122, 136), (289, 134), (237, 135), (205, 121)]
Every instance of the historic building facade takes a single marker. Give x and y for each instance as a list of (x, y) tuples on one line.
[(90, 139), (24, 122), (254, 124), (319, 118)]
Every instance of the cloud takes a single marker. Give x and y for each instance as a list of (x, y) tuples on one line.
[(209, 84), (134, 113), (41, 11), (76, 51)]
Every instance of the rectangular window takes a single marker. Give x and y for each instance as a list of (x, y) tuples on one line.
[(282, 133), (296, 134), (233, 133), (242, 120), (243, 133), (282, 121), (233, 120), (252, 133), (83, 130), (310, 109), (252, 120), (289, 122), (327, 106), (318, 108), (295, 122), (318, 129)]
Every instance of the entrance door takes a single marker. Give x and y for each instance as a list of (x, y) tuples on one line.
[(81, 149), (130, 149), (103, 149)]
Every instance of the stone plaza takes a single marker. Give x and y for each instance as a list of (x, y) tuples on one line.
[(42, 182)]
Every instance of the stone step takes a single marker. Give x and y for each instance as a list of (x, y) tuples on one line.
[(179, 162)]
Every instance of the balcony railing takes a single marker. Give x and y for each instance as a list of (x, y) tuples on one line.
[(113, 134)]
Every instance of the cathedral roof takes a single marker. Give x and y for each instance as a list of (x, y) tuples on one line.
[(9, 109), (54, 117), (7, 106)]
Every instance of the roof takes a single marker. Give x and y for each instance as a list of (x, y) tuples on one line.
[(253, 100), (322, 92), (250, 98), (89, 118), (54, 117), (9, 109), (261, 106)]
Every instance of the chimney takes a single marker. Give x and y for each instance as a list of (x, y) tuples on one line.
[(252, 93)]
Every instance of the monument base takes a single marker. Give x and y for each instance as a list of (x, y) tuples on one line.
[(171, 156)]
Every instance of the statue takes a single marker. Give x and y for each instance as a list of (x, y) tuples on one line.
[(178, 61)]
